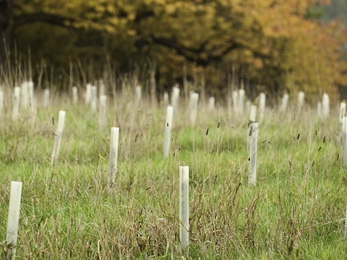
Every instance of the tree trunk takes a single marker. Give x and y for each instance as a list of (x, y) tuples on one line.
[(6, 27)]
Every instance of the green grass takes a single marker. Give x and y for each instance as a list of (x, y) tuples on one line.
[(295, 211)]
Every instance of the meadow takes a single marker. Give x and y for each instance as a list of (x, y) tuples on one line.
[(296, 210)]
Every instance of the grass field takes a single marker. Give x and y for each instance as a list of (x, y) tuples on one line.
[(295, 211)]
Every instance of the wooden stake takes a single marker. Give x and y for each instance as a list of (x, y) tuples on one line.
[(113, 155), (344, 140), (193, 105), (74, 95), (13, 218), (262, 100), (253, 132), (16, 100), (58, 135), (184, 207)]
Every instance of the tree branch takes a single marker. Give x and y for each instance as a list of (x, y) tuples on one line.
[(42, 17), (195, 55), (187, 52)]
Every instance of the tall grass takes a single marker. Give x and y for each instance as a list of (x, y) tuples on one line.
[(295, 211)]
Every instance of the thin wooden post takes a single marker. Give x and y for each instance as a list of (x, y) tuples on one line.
[(113, 155), (13, 218), (184, 207), (194, 97), (284, 103), (253, 143), (58, 135), (344, 140), (262, 100)]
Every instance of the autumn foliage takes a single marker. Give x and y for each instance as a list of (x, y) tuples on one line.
[(271, 43)]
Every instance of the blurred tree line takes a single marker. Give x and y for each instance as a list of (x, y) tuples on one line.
[(337, 9), (279, 45)]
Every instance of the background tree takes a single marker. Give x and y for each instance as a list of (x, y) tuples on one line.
[(337, 9), (278, 44)]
